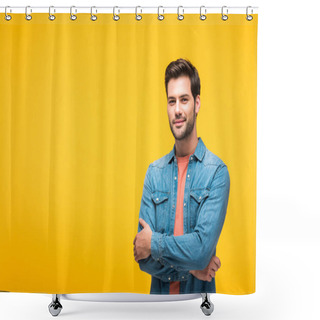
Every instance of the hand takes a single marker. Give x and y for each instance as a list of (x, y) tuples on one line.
[(209, 272), (142, 242)]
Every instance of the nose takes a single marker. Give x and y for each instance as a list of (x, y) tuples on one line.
[(177, 108)]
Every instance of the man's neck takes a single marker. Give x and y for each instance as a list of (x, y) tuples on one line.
[(186, 146)]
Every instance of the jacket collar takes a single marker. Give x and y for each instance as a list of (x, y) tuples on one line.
[(199, 152)]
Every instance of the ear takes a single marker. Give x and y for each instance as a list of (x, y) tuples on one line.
[(197, 102)]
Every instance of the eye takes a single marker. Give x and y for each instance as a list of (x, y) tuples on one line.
[(171, 101), (185, 99)]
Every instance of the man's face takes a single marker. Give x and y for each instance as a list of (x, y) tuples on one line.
[(181, 107)]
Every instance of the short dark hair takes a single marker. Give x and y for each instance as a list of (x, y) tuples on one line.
[(182, 67)]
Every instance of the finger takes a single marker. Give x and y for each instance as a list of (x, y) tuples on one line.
[(213, 266), (142, 222), (210, 276), (217, 261)]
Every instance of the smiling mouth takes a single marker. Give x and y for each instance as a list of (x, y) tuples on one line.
[(179, 122)]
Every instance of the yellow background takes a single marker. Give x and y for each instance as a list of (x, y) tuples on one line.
[(83, 114)]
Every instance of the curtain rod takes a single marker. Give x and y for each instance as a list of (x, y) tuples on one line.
[(137, 9)]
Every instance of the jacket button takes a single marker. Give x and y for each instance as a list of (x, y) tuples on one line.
[(175, 178), (157, 199), (191, 158), (169, 278), (184, 204), (171, 266), (182, 277), (188, 176), (199, 198)]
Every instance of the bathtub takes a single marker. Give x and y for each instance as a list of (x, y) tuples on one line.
[(55, 306)]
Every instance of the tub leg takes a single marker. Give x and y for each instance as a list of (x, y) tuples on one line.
[(206, 305), (55, 306)]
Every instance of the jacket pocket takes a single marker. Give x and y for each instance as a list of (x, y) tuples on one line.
[(197, 197), (161, 202)]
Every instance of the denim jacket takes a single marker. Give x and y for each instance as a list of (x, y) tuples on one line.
[(204, 208)]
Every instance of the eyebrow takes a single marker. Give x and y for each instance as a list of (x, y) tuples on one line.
[(184, 95)]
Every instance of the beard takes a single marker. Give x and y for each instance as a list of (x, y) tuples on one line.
[(182, 133)]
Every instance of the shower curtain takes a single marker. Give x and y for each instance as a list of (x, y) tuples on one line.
[(83, 113)]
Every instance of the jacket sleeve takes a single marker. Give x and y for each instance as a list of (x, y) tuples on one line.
[(193, 251), (156, 267)]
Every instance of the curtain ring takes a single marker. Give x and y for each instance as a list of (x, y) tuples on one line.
[(115, 16), (73, 16), (203, 16), (160, 16), (180, 16), (138, 16), (224, 17), (93, 17), (28, 16), (51, 16), (7, 16), (249, 17)]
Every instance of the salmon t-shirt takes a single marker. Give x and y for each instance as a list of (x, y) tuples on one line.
[(178, 222)]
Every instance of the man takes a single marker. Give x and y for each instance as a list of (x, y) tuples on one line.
[(185, 198)]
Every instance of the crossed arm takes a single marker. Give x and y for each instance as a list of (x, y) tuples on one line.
[(164, 255)]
